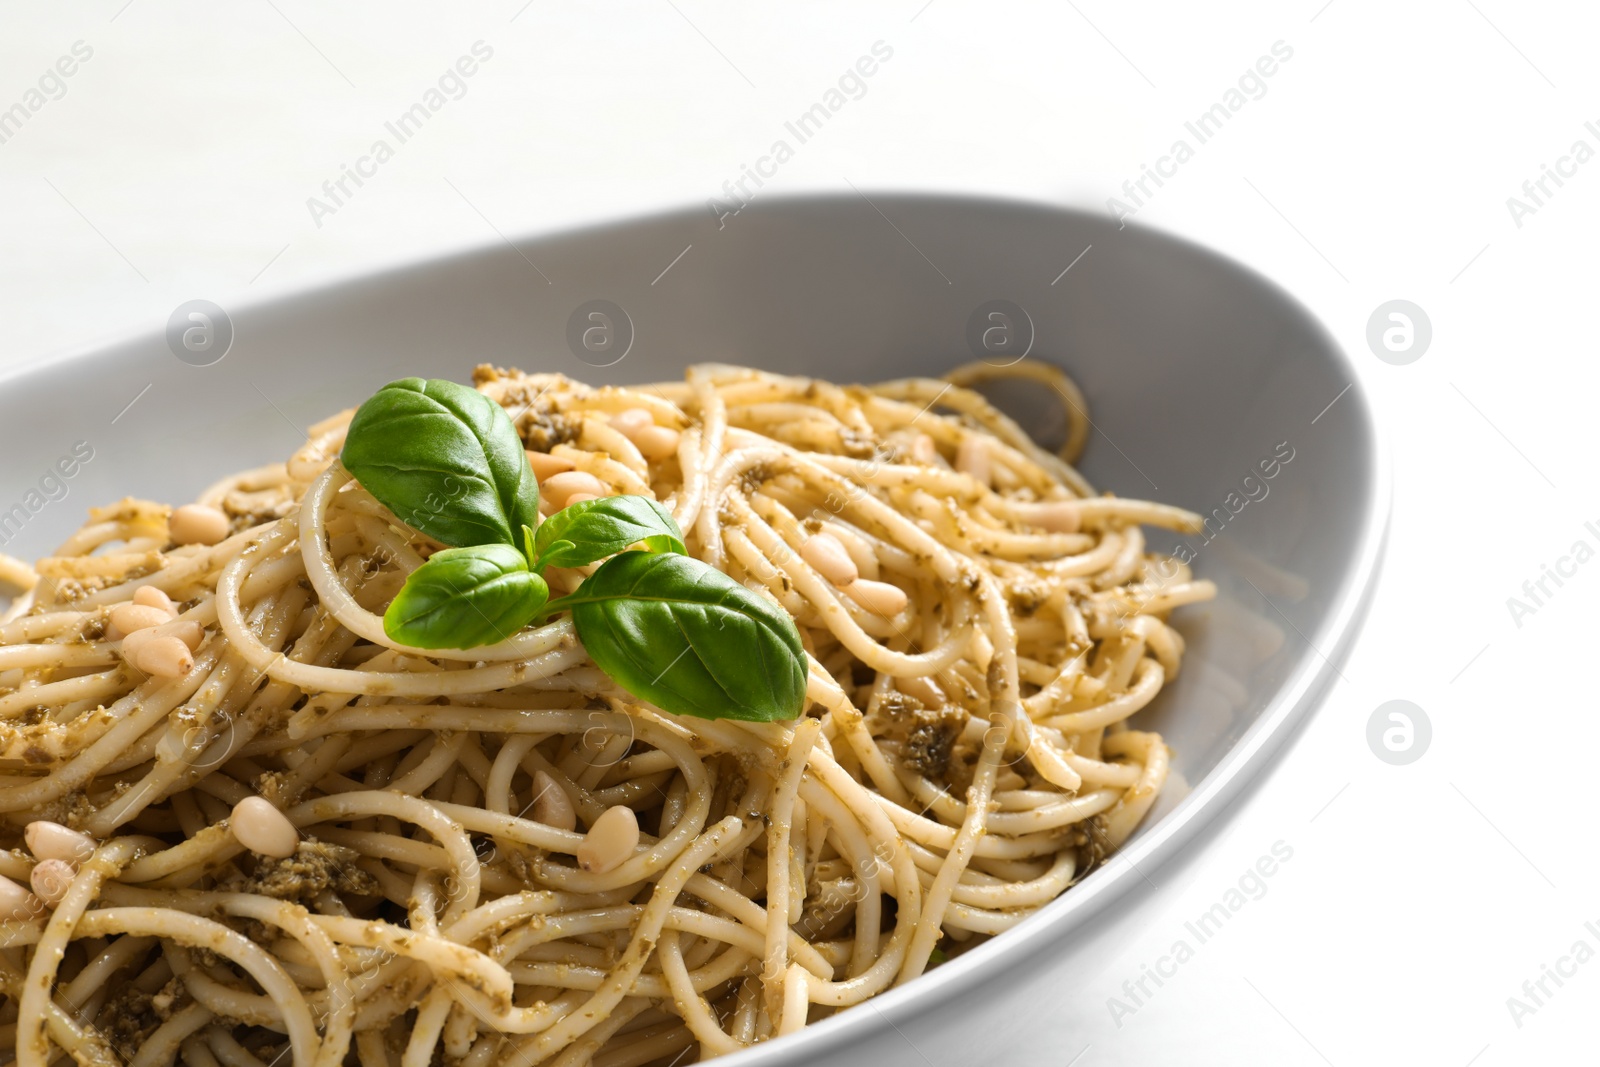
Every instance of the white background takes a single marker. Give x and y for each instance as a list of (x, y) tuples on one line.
[(1376, 166)]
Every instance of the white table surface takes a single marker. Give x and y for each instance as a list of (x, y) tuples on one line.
[(1377, 165)]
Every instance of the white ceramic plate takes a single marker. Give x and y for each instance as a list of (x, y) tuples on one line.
[(1197, 372)]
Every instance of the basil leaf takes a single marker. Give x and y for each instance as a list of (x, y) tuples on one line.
[(466, 597), (446, 460), (689, 639), (594, 529)]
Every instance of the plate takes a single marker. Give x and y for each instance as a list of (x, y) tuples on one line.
[(1208, 386)]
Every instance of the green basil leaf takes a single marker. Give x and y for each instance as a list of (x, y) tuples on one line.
[(446, 460), (686, 637), (594, 529), (466, 597)]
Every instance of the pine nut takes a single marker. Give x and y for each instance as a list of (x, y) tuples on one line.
[(52, 841), (610, 841), (559, 487), (131, 618), (923, 450), (880, 598), (545, 465), (656, 442), (1057, 516), (972, 459), (134, 644), (15, 901), (632, 421), (578, 498), (263, 829), (197, 524), (159, 655), (150, 597), (51, 879), (824, 552), (861, 552), (551, 805), (639, 426), (188, 631)]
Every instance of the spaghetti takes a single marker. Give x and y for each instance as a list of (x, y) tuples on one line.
[(497, 855)]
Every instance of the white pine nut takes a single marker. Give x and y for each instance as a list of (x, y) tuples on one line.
[(159, 655), (131, 618), (188, 631), (197, 524), (263, 829), (15, 900), (150, 597), (656, 442), (545, 465), (880, 598), (1057, 516), (134, 644), (610, 841), (923, 450), (632, 421), (559, 487), (51, 879), (52, 841), (861, 552), (551, 805), (972, 459), (824, 552)]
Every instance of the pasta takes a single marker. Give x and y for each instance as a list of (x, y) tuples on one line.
[(247, 827)]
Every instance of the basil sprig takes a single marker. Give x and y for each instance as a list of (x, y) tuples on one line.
[(665, 626)]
